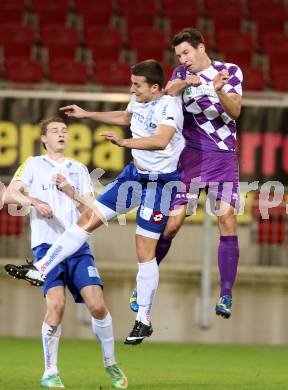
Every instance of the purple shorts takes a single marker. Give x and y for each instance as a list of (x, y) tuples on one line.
[(215, 172)]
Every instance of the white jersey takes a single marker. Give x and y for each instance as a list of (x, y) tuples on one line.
[(36, 173), (166, 110)]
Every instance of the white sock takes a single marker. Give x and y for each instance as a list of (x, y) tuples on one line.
[(147, 283), (50, 340), (67, 244), (103, 330)]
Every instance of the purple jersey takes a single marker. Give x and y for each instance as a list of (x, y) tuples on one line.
[(206, 126)]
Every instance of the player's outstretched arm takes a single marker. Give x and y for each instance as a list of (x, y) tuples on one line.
[(159, 141), (121, 118)]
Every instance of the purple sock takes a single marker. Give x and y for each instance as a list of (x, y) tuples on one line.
[(162, 247), (228, 256)]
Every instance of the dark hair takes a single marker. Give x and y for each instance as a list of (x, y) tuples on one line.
[(46, 122), (151, 70), (190, 35)]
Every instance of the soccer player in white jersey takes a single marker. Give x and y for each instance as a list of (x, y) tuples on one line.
[(149, 182), (211, 94), (49, 183)]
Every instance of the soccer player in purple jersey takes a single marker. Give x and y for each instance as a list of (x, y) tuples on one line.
[(211, 97)]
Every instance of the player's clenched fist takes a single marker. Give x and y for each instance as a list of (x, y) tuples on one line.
[(220, 80), (193, 81), (74, 110), (42, 208)]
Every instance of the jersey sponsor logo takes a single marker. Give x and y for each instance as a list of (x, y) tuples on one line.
[(73, 175), (202, 90), (157, 217), (52, 186), (93, 272), (145, 213)]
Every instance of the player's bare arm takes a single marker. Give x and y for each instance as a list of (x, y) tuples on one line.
[(16, 194), (231, 102), (159, 141), (176, 87), (81, 201), (121, 118)]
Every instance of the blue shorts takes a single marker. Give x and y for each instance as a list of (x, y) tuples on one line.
[(76, 272), (152, 193)]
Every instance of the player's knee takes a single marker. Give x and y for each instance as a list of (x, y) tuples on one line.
[(144, 254), (227, 224), (98, 310), (57, 306), (172, 229), (85, 217)]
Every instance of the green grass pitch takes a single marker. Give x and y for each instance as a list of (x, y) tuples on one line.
[(148, 366)]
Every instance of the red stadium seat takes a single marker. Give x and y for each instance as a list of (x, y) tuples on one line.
[(12, 11), (180, 13), (112, 74), (10, 225), (168, 70), (55, 12), (253, 79), (23, 71), (125, 5), (60, 41), (98, 36), (278, 57), (242, 58), (215, 7), (148, 43), (279, 78), (264, 8), (104, 42), (271, 41), (17, 41), (237, 47), (61, 35), (68, 72), (140, 14), (269, 15), (85, 6), (226, 15), (95, 13), (225, 40)]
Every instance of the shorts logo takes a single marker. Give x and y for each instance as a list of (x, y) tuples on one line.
[(157, 217), (146, 213), (235, 196), (93, 272), (186, 195)]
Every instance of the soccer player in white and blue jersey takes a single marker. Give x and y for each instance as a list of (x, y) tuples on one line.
[(49, 183), (150, 182)]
